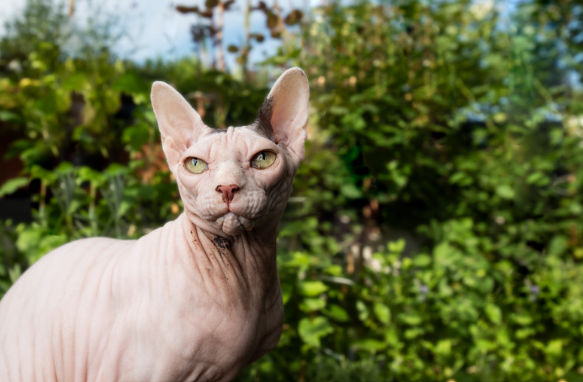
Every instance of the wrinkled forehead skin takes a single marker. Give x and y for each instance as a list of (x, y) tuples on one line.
[(241, 144), (229, 153)]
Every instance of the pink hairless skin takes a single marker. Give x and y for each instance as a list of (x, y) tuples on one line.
[(195, 300)]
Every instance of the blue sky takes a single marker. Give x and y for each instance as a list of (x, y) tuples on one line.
[(154, 29)]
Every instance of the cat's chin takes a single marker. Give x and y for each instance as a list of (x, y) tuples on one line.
[(234, 225)]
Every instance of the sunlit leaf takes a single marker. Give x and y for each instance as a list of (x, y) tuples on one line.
[(312, 288), (12, 185), (369, 345), (312, 304), (505, 191), (336, 313), (312, 330), (382, 312)]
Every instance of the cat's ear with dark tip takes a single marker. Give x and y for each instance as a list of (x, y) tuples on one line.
[(284, 114), (180, 125)]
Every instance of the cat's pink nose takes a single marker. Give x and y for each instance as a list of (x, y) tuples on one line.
[(228, 192)]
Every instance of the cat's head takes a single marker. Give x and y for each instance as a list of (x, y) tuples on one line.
[(238, 178)]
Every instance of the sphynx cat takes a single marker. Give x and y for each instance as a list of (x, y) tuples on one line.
[(196, 300)]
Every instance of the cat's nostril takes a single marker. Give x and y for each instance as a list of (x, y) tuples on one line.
[(228, 192)]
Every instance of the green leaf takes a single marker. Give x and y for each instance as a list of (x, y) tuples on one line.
[(396, 246), (337, 313), (537, 178), (421, 261), (12, 185), (312, 330), (505, 191), (338, 110), (312, 288), (8, 116), (522, 334), (47, 104), (494, 313), (29, 238), (350, 191), (363, 312), (75, 81), (286, 291), (413, 333), (369, 344), (446, 256), (382, 312), (443, 348), (558, 245), (522, 319), (90, 175), (135, 137), (132, 83), (412, 319), (312, 304), (554, 348)]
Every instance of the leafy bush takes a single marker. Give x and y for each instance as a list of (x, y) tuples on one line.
[(435, 228)]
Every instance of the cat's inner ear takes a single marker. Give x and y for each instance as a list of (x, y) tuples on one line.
[(284, 114), (180, 125)]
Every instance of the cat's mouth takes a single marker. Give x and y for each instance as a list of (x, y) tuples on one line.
[(233, 224)]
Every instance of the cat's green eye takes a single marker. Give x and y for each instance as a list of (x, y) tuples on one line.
[(263, 159), (196, 165)]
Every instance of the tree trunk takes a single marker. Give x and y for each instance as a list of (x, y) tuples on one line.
[(71, 7), (220, 53), (247, 46)]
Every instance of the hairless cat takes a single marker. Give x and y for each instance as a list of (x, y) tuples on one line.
[(195, 300)]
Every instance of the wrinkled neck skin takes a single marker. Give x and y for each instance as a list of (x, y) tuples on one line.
[(252, 253)]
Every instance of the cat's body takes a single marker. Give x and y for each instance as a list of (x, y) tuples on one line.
[(99, 317), (195, 300)]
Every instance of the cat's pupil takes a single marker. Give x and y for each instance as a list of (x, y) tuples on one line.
[(194, 161), (262, 156)]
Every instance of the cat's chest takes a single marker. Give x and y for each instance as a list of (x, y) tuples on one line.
[(212, 313), (182, 338)]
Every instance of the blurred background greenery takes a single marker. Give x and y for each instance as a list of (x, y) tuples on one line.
[(435, 230)]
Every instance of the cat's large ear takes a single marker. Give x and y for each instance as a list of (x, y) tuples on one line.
[(180, 125), (284, 114)]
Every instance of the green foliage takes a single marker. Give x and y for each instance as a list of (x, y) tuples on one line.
[(435, 228)]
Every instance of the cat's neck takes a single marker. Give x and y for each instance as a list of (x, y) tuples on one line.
[(249, 258)]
